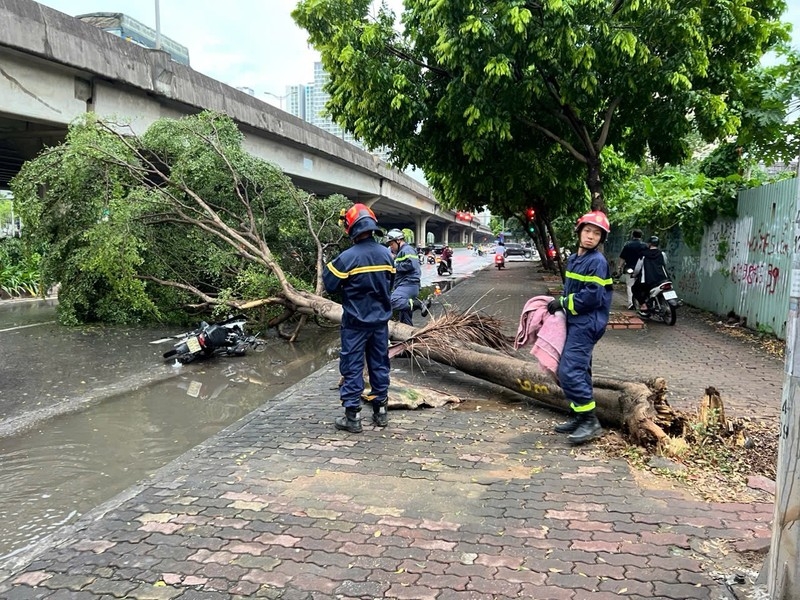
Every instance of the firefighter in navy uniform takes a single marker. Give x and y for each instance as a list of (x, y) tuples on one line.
[(407, 278), (363, 275), (586, 302)]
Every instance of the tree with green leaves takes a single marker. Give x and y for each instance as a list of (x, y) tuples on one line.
[(182, 219), (464, 78), (770, 108), (178, 221)]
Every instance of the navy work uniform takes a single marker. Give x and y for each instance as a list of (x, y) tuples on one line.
[(406, 282), (363, 274), (586, 302)]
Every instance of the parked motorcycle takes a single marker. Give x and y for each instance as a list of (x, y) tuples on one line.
[(431, 258), (499, 261), (444, 267), (226, 338), (662, 303)]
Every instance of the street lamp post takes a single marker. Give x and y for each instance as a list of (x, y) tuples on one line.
[(158, 27), (280, 99)]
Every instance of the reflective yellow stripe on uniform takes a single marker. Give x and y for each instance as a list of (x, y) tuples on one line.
[(585, 279), (571, 304), (356, 271), (372, 269), (581, 408), (336, 272), (406, 257), (589, 278)]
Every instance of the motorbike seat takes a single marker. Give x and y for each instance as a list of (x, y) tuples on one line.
[(216, 335)]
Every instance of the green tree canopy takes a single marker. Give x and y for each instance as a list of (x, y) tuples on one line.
[(182, 219), (465, 78)]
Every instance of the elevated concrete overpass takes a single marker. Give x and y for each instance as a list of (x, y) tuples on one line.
[(54, 68)]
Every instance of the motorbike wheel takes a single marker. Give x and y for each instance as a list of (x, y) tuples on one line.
[(259, 346), (668, 313)]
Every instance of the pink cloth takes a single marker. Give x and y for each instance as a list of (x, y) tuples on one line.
[(546, 332)]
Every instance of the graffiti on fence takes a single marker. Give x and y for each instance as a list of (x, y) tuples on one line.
[(757, 275), (769, 244), (688, 281)]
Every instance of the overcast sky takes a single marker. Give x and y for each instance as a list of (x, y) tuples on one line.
[(245, 43)]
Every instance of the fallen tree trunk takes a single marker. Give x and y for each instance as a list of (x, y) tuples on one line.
[(157, 167), (638, 408)]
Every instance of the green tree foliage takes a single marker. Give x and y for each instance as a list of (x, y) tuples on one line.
[(19, 269), (138, 229), (770, 108), (688, 197), (463, 80)]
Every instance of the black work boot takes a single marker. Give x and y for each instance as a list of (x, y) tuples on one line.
[(568, 426), (351, 421), (588, 428), (380, 414)]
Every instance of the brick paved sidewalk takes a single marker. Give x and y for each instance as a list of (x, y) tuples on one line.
[(691, 355), (477, 502)]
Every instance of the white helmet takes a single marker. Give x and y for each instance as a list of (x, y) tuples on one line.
[(395, 235)]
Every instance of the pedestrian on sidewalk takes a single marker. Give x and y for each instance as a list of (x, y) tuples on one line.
[(586, 303), (405, 295), (363, 275), (632, 251)]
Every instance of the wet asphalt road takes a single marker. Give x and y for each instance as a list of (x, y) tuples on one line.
[(47, 369)]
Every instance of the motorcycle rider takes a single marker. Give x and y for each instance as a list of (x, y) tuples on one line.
[(586, 303), (500, 254), (407, 278), (363, 274), (447, 257), (632, 251), (650, 270)]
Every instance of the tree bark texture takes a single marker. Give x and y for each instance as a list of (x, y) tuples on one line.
[(637, 407)]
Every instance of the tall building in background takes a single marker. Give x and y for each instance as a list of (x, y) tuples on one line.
[(318, 100), (296, 100), (307, 101)]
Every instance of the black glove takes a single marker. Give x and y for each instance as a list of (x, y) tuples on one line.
[(554, 305)]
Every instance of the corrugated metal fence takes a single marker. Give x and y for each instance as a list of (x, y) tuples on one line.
[(744, 264)]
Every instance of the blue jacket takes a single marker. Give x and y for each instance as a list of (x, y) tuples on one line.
[(587, 291), (406, 263), (363, 274)]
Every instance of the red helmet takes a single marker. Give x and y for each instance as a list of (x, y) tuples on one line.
[(363, 215), (597, 218)]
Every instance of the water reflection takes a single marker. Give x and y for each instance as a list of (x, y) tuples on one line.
[(21, 313), (51, 474)]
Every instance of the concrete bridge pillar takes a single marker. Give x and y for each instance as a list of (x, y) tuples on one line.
[(421, 232)]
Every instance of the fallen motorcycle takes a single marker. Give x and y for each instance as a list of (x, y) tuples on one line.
[(226, 338)]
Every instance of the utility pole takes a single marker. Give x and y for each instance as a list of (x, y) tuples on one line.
[(784, 561)]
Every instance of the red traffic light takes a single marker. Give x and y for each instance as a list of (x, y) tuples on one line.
[(530, 213)]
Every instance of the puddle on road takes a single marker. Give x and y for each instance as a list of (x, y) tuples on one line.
[(56, 471), (22, 313)]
